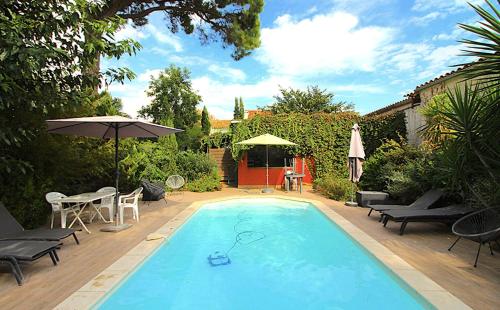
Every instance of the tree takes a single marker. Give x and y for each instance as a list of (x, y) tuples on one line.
[(174, 102), (44, 67), (173, 99), (485, 49), (234, 22), (312, 100), (105, 104), (205, 121), (241, 109), (236, 112)]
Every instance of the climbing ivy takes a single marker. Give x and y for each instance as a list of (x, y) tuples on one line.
[(321, 137), (377, 129), (216, 140)]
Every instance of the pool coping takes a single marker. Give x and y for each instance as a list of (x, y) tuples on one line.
[(94, 290)]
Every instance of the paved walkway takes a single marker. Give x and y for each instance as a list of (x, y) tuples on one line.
[(424, 246)]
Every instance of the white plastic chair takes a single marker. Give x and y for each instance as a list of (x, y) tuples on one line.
[(58, 208), (130, 201), (107, 202)]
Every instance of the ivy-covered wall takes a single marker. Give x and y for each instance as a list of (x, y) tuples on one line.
[(376, 129), (321, 136)]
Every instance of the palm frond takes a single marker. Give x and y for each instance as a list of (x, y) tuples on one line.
[(485, 49)]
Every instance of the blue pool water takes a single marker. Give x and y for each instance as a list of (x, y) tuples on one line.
[(283, 255)]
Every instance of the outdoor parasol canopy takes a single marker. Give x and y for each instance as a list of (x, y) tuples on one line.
[(266, 139), (109, 127), (356, 157)]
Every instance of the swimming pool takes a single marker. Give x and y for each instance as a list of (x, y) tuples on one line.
[(261, 254)]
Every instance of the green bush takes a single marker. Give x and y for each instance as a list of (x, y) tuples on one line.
[(156, 161), (334, 187), (193, 166), (390, 156), (206, 183), (405, 172)]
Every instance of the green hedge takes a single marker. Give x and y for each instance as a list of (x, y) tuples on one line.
[(324, 137), (376, 129)]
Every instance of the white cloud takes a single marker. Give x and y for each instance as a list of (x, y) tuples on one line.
[(440, 60), (356, 88), (227, 72), (138, 34), (451, 6), (160, 51), (165, 37), (189, 60), (425, 20), (405, 56), (129, 32), (218, 96), (325, 43), (146, 75), (132, 94)]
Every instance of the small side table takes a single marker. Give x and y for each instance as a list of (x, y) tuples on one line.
[(363, 197)]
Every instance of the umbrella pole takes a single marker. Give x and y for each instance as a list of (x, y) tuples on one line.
[(267, 189), (117, 175), (351, 173), (118, 226)]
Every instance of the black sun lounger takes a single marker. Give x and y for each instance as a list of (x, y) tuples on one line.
[(447, 215), (16, 251), (424, 202), (10, 229)]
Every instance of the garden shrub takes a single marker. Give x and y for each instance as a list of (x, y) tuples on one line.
[(335, 187), (405, 172), (193, 166), (155, 162), (390, 156), (206, 183)]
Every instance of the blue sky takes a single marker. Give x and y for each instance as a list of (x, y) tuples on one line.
[(369, 53)]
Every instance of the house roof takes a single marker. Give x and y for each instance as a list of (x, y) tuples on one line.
[(220, 123), (413, 96), (253, 113), (440, 78), (390, 107)]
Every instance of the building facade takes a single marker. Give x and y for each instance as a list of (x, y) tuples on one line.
[(419, 98)]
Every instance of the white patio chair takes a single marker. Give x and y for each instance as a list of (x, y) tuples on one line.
[(58, 208), (130, 201), (108, 202)]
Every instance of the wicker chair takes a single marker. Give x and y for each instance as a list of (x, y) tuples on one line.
[(482, 226)]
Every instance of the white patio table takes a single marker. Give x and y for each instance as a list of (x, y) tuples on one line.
[(83, 200)]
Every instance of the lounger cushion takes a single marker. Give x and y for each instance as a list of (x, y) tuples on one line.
[(423, 202), (388, 207), (26, 250), (450, 212), (10, 229), (39, 234)]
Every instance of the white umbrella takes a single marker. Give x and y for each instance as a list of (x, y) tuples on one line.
[(356, 157), (107, 127), (266, 139)]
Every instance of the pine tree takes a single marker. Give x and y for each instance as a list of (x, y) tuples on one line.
[(236, 112), (242, 109), (205, 121)]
